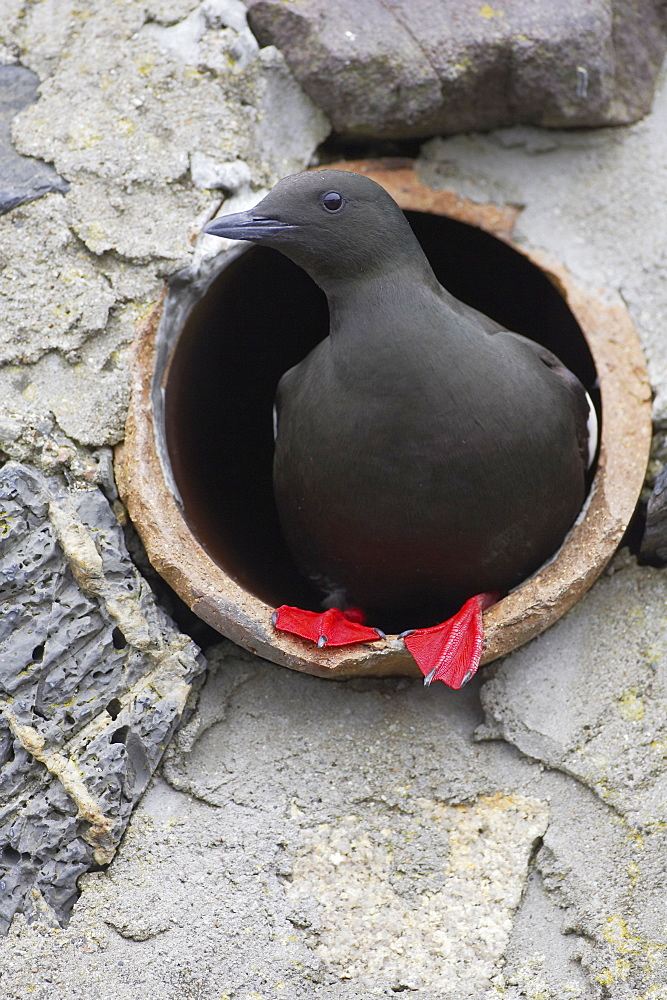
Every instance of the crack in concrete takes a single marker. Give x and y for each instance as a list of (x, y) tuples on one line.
[(481, 737)]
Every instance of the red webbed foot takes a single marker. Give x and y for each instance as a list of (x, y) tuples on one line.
[(326, 628), (450, 652)]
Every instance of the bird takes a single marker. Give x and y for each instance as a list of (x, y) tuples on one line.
[(427, 460)]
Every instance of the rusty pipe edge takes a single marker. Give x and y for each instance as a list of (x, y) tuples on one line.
[(527, 611)]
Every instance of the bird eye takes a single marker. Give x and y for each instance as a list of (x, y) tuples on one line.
[(332, 201)]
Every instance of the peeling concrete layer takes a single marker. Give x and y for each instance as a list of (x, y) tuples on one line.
[(55, 271), (598, 709), (131, 96), (94, 680), (316, 840)]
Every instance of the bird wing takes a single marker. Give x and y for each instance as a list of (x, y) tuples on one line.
[(586, 415), (282, 392)]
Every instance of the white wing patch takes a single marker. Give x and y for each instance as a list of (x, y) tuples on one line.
[(275, 421), (593, 431)]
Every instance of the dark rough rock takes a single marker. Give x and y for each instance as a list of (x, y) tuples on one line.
[(21, 177), (654, 542), (93, 681), (414, 68)]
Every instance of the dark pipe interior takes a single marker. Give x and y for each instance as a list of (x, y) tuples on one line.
[(260, 317)]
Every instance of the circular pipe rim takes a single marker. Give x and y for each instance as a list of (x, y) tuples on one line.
[(521, 615)]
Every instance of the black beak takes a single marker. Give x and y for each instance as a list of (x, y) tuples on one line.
[(246, 226)]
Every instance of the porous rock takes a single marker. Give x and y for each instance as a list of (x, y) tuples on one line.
[(414, 68), (93, 681)]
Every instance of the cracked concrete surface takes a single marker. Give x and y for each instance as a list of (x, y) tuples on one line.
[(598, 715), (130, 96), (303, 838), (130, 93), (317, 839)]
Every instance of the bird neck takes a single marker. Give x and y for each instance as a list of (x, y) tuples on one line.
[(380, 311), (376, 287), (386, 260)]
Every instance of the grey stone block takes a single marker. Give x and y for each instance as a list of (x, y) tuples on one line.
[(93, 681), (21, 177), (414, 68)]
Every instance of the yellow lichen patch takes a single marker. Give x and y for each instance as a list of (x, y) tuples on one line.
[(145, 65), (631, 706), (656, 650), (630, 949), (125, 126), (458, 69), (636, 838), (610, 975), (82, 136), (489, 12)]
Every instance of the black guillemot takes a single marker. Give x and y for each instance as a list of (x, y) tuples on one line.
[(426, 459)]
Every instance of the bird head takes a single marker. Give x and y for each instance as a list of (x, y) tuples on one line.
[(336, 225)]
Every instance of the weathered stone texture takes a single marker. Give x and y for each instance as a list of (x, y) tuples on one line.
[(130, 93), (93, 680), (354, 839), (588, 698), (74, 297), (414, 68), (96, 678)]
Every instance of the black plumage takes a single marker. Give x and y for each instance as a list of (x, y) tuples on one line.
[(423, 453)]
